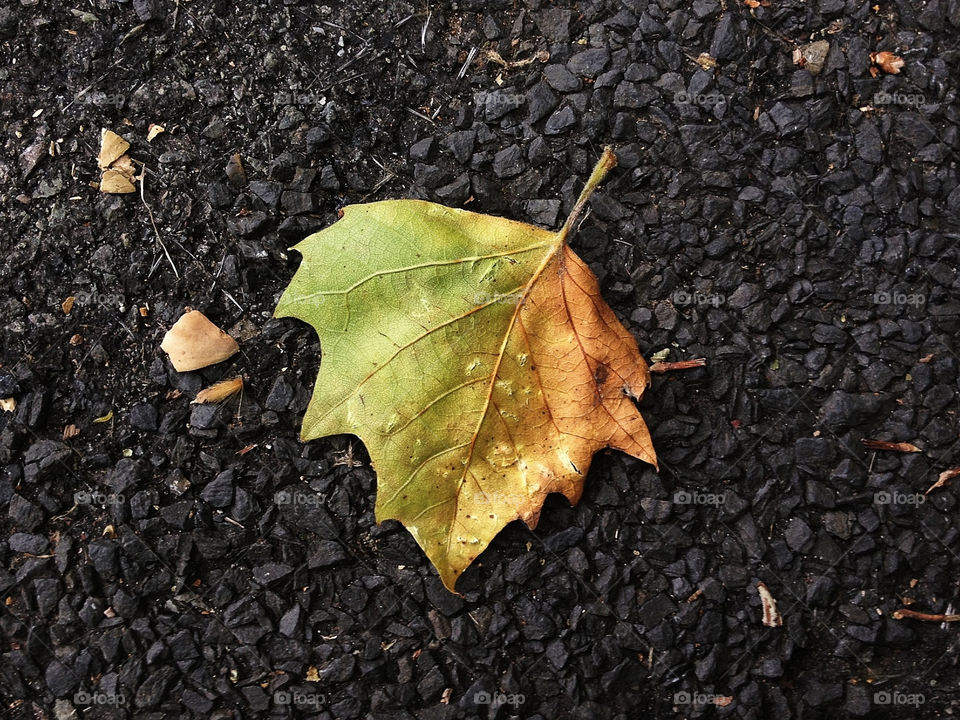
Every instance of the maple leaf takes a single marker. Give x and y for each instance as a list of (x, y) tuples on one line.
[(475, 358)]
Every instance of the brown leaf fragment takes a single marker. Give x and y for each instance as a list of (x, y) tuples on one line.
[(771, 616), (945, 477), (234, 170), (219, 391), (112, 148), (887, 61), (894, 446), (116, 182), (706, 61), (194, 342)]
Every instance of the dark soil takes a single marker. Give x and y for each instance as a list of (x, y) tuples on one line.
[(796, 226)]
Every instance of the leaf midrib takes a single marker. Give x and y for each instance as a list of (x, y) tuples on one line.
[(555, 247)]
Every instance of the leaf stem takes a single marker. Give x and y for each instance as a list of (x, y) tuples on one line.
[(607, 161)]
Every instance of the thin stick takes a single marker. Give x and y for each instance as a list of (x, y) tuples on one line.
[(84, 91), (423, 33), (662, 367), (929, 617), (466, 63), (232, 299), (143, 186)]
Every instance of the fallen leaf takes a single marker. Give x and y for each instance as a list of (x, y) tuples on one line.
[(896, 447), (475, 358), (67, 305), (219, 391), (8, 404), (887, 61), (194, 342), (154, 130), (105, 418)]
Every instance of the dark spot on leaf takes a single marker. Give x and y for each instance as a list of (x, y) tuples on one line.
[(601, 374)]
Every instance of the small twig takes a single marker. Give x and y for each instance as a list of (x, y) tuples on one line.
[(420, 115), (143, 186), (884, 445), (928, 617), (63, 515), (663, 367), (466, 63), (94, 83), (232, 299), (423, 33)]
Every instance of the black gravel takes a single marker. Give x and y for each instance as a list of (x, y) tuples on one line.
[(795, 224)]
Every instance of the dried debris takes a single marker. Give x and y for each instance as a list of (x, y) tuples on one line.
[(194, 342), (118, 169), (219, 391), (771, 616)]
